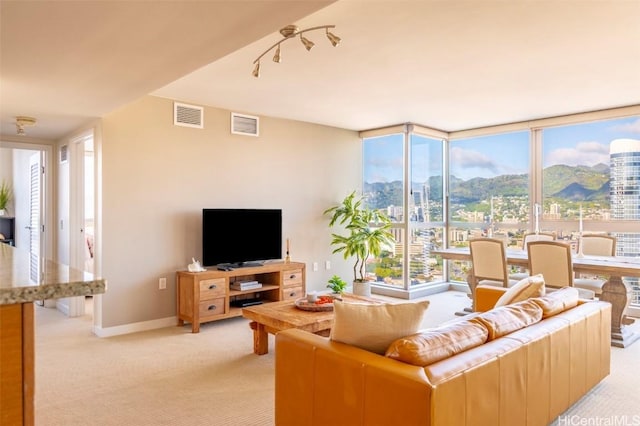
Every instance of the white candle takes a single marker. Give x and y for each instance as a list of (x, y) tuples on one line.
[(580, 218)]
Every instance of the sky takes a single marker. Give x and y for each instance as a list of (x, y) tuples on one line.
[(490, 156)]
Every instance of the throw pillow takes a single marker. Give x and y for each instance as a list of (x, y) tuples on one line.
[(524, 289), (557, 301), (433, 345), (375, 327), (507, 319)]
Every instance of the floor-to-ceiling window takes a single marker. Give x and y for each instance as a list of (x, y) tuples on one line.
[(403, 176), (495, 180), (591, 183), (488, 191)]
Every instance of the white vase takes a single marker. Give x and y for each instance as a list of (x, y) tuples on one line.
[(362, 288), (3, 212)]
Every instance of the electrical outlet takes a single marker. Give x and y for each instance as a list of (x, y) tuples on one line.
[(315, 266), (327, 265), (162, 283)]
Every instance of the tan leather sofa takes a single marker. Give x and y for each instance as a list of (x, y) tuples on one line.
[(527, 377)]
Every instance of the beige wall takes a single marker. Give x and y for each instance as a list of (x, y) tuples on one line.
[(157, 177)]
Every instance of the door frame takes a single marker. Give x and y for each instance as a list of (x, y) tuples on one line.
[(48, 235)]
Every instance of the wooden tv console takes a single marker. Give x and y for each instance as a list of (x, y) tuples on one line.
[(208, 296)]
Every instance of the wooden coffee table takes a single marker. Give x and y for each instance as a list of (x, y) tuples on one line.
[(277, 316)]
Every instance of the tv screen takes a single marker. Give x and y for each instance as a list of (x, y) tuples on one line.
[(241, 237)]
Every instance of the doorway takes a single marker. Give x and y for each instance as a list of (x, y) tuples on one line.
[(81, 169), (26, 167)]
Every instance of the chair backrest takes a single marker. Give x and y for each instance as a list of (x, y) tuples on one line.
[(598, 245), (552, 259), (489, 260), (540, 236)]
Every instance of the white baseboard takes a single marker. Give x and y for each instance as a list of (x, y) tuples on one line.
[(135, 327)]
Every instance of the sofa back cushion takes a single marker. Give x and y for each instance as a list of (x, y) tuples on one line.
[(507, 319), (429, 346), (524, 289), (557, 301), (375, 327)]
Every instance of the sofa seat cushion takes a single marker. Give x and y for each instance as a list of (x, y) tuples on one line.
[(429, 346), (524, 289), (557, 301), (507, 319), (375, 327)]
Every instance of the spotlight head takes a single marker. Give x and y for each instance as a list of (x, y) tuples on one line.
[(256, 70), (308, 44), (276, 57), (334, 39)]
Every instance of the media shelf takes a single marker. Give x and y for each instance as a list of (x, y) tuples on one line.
[(207, 296)]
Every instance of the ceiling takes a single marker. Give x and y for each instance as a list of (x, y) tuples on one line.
[(450, 65)]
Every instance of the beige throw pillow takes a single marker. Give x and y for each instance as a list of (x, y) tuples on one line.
[(524, 289), (375, 327)]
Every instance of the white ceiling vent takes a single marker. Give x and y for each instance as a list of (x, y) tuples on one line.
[(242, 124), (188, 115)]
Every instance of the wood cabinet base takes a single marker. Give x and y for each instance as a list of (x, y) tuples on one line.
[(17, 364), (207, 296)]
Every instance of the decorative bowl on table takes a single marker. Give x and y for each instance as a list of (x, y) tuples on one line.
[(322, 303)]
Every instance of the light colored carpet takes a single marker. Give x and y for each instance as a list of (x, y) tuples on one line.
[(173, 377)]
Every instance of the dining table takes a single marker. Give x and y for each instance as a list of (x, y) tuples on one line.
[(615, 290)]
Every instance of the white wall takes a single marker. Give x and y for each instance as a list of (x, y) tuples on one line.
[(6, 165), (157, 177)]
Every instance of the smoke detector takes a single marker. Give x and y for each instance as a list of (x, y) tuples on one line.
[(22, 122)]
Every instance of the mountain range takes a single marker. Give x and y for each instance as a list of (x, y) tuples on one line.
[(561, 182)]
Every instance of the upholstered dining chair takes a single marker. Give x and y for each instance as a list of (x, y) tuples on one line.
[(489, 264), (553, 260), (595, 245), (598, 245), (526, 239)]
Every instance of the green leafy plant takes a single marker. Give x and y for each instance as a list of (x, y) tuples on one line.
[(5, 194), (367, 232), (337, 284)]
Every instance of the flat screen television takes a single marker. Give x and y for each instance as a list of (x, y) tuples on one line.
[(241, 237)]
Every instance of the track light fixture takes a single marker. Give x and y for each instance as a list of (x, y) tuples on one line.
[(290, 31)]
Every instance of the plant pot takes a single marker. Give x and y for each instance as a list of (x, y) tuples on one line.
[(3, 212), (362, 288)]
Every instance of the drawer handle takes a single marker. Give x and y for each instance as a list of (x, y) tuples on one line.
[(292, 294), (292, 276), (213, 286), (211, 308)]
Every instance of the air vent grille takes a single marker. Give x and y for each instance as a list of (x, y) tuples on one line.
[(64, 153), (242, 124), (187, 115)]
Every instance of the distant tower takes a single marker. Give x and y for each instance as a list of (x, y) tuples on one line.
[(625, 197)]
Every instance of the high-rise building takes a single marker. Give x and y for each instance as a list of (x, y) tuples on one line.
[(625, 198)]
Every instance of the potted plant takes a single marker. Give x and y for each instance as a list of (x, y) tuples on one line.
[(5, 196), (367, 231), (337, 284)]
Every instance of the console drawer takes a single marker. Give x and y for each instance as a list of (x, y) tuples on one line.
[(212, 308), (290, 293), (212, 288), (292, 277)]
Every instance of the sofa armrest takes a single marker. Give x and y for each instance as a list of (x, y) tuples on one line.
[(487, 296), (319, 381)]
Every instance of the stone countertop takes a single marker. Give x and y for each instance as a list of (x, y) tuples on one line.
[(27, 278)]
